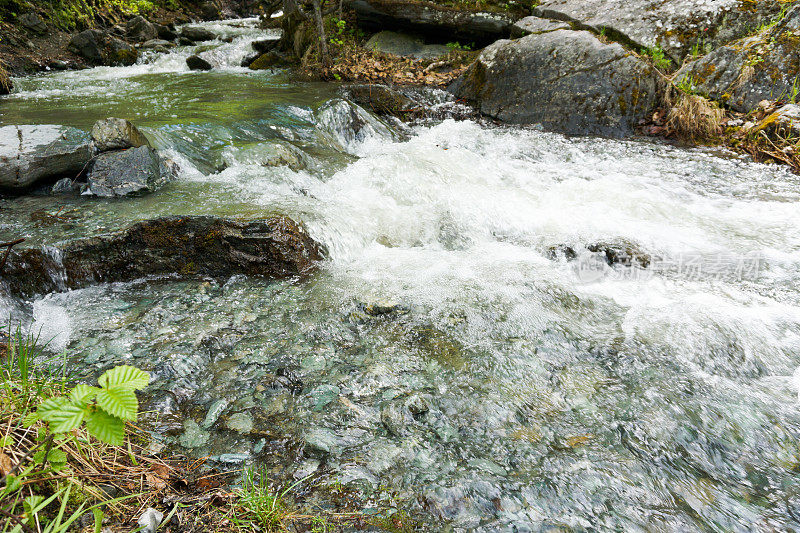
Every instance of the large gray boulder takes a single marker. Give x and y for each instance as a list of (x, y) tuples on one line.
[(126, 172), (140, 29), (433, 19), (765, 66), (32, 154), (100, 48), (676, 26), (568, 81), (117, 134)]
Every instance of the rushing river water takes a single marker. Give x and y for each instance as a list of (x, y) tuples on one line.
[(448, 358)]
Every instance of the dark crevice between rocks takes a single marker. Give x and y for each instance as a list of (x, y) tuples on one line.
[(187, 247)]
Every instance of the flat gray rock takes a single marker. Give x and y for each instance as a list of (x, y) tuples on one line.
[(675, 25), (765, 66), (30, 154), (126, 172), (568, 81), (530, 25)]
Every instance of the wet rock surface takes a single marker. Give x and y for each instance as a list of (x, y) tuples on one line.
[(196, 62), (125, 172), (765, 66), (197, 34), (117, 134), (30, 154), (380, 99), (568, 81), (676, 26), (276, 247), (140, 29)]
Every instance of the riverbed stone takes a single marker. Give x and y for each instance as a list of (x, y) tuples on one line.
[(265, 45), (193, 436), (31, 154), (214, 412), (117, 134), (196, 62), (197, 34), (765, 66), (320, 442), (676, 26), (268, 60), (568, 81), (125, 172), (240, 423), (188, 246), (140, 29)]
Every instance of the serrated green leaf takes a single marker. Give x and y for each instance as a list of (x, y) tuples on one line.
[(106, 427), (51, 407), (82, 393), (68, 418), (118, 401), (31, 503), (30, 419), (6, 442), (54, 457), (13, 484), (125, 376)]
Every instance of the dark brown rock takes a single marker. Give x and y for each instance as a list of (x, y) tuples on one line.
[(189, 247)]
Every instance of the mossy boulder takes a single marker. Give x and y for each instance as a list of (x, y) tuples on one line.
[(268, 61), (568, 81), (765, 66)]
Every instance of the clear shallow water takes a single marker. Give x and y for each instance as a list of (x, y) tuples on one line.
[(545, 393)]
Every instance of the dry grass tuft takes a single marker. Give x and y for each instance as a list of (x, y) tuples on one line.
[(695, 117)]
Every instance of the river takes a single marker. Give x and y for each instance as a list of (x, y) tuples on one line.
[(451, 357)]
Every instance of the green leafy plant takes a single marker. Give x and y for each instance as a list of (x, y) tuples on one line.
[(103, 409), (659, 58), (459, 47)]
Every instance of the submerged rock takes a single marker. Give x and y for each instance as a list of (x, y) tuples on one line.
[(187, 246), (193, 436), (676, 26), (30, 154), (765, 66), (198, 63), (568, 81), (117, 134), (126, 172)]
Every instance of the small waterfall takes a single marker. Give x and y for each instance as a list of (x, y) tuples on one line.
[(54, 267)]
